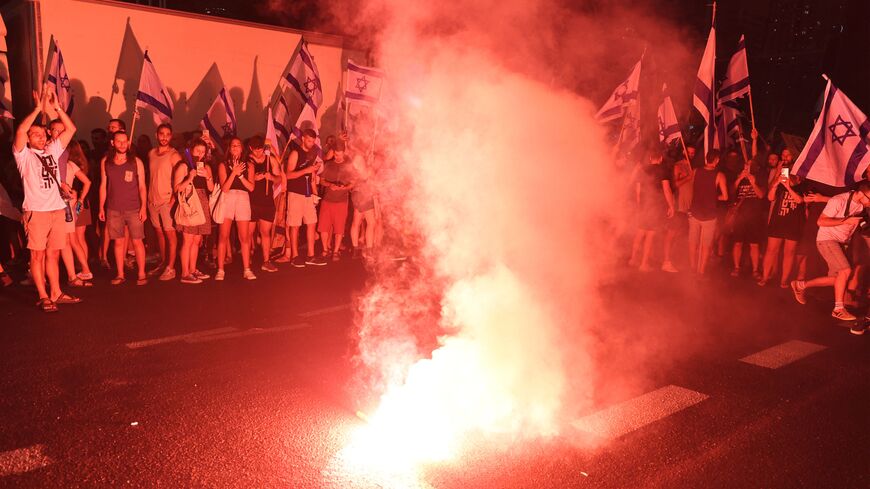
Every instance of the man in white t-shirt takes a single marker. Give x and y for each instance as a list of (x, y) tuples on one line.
[(44, 215), (841, 217)]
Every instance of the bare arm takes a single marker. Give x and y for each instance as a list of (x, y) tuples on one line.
[(86, 184), (669, 196), (69, 127), (21, 133), (182, 180), (723, 187), (102, 210), (209, 179), (143, 192)]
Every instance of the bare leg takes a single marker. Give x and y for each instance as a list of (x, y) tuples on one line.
[(223, 243), (81, 235), (694, 241), (244, 229), (788, 254), (196, 241), (370, 229), (53, 273), (670, 234), (139, 250), (737, 253), (66, 254), (770, 256), (754, 257), (649, 238), (310, 235), (172, 246), (38, 270), (324, 238), (265, 238), (79, 248), (354, 228), (186, 241), (161, 246), (120, 252)]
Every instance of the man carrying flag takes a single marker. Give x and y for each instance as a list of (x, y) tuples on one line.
[(153, 95)]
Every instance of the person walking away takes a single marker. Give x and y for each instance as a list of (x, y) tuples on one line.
[(709, 188), (655, 203)]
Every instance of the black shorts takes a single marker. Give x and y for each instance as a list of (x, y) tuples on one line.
[(749, 227), (262, 212)]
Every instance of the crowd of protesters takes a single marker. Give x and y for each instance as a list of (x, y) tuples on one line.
[(728, 202), (112, 201)]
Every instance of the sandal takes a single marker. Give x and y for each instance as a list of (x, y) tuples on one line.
[(142, 281), (77, 282), (784, 286), (46, 305), (66, 299), (118, 280)]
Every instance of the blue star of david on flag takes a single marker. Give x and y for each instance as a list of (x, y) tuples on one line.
[(362, 83), (310, 85), (843, 136)]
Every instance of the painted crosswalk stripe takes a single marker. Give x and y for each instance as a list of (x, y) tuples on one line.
[(782, 355), (23, 460), (628, 416), (325, 310), (170, 339), (247, 332)]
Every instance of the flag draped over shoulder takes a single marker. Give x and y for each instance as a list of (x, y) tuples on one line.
[(221, 112), (57, 77), (836, 152), (363, 83), (704, 95), (669, 126), (736, 83), (622, 97), (152, 94)]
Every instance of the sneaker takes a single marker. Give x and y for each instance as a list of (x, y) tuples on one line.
[(317, 261), (249, 275), (219, 275), (298, 262), (190, 279), (200, 275), (842, 315), (268, 267), (167, 274), (857, 329), (799, 294), (669, 267)]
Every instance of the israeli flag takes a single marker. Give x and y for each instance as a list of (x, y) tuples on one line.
[(152, 94), (58, 78), (282, 121), (703, 98), (363, 83), (836, 152), (624, 95), (669, 126), (221, 112), (736, 83), (271, 133), (308, 120), (302, 78)]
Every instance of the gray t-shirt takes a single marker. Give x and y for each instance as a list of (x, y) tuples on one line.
[(337, 173)]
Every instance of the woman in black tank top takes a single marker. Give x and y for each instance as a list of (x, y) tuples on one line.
[(267, 175), (237, 181)]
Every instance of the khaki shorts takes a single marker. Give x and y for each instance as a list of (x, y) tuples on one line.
[(300, 209), (834, 256), (160, 215), (236, 205), (116, 220), (45, 229)]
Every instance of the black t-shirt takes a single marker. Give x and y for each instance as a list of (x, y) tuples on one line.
[(302, 185), (651, 178)]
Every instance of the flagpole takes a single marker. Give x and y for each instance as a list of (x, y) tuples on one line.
[(133, 124)]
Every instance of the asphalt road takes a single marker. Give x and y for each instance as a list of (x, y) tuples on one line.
[(242, 384)]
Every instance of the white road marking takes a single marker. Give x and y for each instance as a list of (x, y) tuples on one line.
[(248, 332), (325, 310), (784, 354), (628, 416), (169, 339), (23, 460)]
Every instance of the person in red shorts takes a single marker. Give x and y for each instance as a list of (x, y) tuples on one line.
[(337, 180)]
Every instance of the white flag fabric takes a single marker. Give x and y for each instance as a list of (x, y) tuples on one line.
[(302, 78), (622, 97), (736, 83), (669, 126), (221, 112), (307, 120), (152, 94), (271, 133), (703, 98), (58, 78), (836, 152), (363, 83)]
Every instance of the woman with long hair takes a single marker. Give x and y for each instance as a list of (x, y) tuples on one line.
[(237, 181), (267, 175), (77, 180), (197, 177)]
